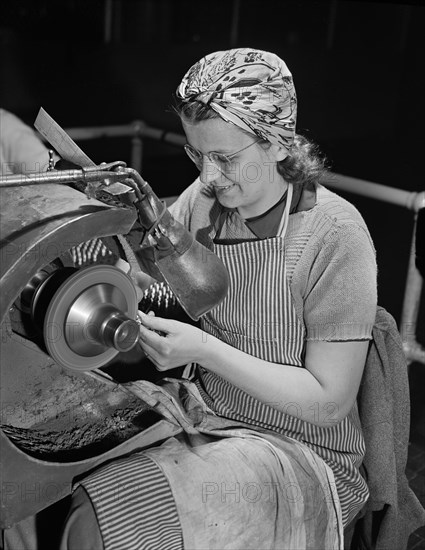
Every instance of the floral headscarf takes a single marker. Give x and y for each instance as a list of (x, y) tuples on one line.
[(250, 88)]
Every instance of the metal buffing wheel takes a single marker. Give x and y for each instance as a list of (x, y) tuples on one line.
[(91, 318)]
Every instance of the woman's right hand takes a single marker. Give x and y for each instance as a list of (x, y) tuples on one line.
[(169, 343)]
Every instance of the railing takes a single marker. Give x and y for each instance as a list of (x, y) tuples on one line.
[(414, 281), (138, 131)]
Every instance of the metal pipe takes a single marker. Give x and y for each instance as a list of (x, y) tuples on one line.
[(107, 22), (94, 132), (234, 27), (410, 312), (331, 24), (136, 153), (57, 176), (137, 127), (408, 199), (162, 135), (414, 353), (101, 175)]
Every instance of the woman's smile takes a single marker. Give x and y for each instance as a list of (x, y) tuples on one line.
[(221, 189)]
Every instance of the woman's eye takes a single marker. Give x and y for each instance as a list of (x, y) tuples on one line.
[(223, 159)]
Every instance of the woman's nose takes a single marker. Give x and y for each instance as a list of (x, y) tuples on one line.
[(209, 170)]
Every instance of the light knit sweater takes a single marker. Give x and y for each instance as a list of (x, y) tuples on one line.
[(330, 260)]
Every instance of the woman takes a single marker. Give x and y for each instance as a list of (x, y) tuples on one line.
[(276, 367)]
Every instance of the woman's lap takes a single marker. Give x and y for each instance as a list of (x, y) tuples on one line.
[(241, 492), (235, 492)]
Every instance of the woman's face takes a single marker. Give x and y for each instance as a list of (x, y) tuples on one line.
[(251, 183)]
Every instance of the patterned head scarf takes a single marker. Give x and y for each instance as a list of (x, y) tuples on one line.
[(250, 88)]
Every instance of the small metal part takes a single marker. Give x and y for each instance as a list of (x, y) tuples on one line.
[(160, 299), (51, 160), (88, 252), (119, 331)]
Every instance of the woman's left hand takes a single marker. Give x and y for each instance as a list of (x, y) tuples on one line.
[(175, 345)]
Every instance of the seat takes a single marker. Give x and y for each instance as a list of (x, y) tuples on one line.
[(393, 511)]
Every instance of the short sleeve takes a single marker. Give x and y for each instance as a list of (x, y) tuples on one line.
[(341, 298)]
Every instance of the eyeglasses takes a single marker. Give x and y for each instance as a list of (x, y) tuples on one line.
[(220, 159)]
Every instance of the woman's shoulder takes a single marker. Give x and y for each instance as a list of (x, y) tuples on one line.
[(326, 211), (332, 205), (332, 221)]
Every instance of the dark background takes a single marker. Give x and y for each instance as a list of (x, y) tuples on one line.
[(357, 65)]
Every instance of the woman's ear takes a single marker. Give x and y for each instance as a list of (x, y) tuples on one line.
[(277, 153), (281, 153)]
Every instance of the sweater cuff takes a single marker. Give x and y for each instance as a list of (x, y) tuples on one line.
[(339, 332)]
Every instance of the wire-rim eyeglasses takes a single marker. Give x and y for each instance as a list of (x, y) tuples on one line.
[(221, 159)]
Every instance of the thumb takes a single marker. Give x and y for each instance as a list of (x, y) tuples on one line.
[(155, 323)]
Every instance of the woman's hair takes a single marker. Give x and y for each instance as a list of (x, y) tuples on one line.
[(305, 166)]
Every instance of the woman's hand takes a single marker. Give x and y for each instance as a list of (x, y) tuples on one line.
[(176, 344)]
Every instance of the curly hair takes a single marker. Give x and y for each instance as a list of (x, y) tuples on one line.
[(305, 165)]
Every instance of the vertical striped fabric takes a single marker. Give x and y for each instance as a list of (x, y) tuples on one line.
[(278, 336), (134, 506)]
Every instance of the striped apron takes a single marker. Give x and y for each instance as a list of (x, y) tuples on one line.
[(232, 486), (257, 316)]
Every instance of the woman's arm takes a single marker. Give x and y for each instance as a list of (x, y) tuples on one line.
[(321, 393)]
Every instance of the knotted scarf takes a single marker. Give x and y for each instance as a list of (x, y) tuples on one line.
[(252, 89)]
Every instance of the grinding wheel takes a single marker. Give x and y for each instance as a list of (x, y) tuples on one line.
[(91, 318)]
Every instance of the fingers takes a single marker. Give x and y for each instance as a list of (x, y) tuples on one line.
[(152, 354), (156, 323), (150, 337), (158, 340), (149, 352)]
